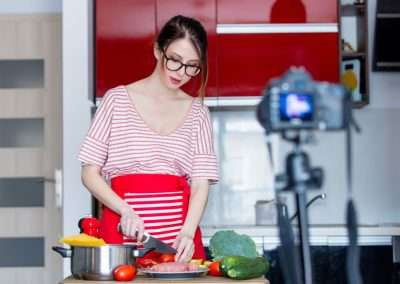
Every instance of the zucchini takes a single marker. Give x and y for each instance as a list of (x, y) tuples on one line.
[(241, 267), (229, 261)]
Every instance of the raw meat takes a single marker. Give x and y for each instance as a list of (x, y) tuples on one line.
[(174, 267)]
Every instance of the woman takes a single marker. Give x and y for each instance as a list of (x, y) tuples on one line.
[(150, 139)]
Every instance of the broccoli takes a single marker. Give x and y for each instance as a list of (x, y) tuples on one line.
[(229, 243)]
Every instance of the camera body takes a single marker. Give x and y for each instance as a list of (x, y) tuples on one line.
[(296, 102)]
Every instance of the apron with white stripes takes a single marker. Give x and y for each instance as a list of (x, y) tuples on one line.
[(160, 200)]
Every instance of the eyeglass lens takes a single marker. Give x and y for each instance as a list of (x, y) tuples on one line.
[(175, 65)]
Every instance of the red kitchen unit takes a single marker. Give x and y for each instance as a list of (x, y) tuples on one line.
[(246, 48), (276, 11), (124, 32), (204, 11), (246, 62)]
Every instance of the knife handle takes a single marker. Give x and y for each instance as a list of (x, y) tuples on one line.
[(145, 234)]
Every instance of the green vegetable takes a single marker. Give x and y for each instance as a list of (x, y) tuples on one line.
[(240, 267), (230, 261), (229, 243)]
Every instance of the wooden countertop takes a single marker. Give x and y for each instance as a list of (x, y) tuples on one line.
[(145, 280)]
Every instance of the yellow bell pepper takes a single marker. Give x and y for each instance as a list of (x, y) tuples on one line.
[(82, 240)]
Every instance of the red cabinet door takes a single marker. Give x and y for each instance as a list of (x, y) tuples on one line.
[(239, 64), (124, 32), (276, 11), (205, 12), (246, 62)]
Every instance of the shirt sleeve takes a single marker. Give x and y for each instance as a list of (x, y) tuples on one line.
[(94, 149), (205, 160)]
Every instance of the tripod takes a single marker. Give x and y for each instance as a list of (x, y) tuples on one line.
[(299, 177)]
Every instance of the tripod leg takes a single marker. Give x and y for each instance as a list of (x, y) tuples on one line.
[(304, 236), (288, 252)]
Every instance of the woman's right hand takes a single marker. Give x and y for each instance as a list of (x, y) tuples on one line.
[(132, 225)]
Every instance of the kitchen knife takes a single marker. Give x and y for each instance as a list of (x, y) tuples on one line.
[(151, 243), (159, 246)]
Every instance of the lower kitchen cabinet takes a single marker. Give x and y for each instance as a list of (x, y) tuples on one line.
[(329, 265)]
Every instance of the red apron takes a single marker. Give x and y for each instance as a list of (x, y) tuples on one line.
[(162, 202)]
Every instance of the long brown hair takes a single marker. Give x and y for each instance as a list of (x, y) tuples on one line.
[(179, 27)]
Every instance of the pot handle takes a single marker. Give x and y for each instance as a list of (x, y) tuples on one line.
[(64, 252)]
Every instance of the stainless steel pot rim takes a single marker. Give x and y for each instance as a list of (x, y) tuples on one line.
[(108, 246)]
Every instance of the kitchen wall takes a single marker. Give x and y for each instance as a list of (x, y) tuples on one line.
[(245, 168), (376, 161), (240, 142), (376, 170), (246, 174), (244, 165)]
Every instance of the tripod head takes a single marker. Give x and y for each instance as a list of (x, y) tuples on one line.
[(299, 174)]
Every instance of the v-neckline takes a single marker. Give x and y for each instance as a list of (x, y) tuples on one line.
[(179, 126)]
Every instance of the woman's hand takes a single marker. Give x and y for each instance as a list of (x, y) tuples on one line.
[(184, 248), (131, 224)]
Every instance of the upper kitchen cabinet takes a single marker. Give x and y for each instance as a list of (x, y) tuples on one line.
[(259, 40), (276, 11), (247, 61), (204, 11), (249, 42), (124, 32)]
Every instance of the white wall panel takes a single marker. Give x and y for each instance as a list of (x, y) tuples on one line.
[(76, 110)]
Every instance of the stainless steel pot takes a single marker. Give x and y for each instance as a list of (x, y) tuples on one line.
[(265, 212), (98, 263)]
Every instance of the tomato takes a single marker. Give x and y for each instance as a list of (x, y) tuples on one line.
[(214, 269), (124, 272), (167, 257), (145, 262)]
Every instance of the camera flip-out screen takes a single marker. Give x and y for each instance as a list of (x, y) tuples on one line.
[(296, 107)]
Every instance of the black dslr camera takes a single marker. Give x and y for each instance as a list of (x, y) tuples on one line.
[(296, 102)]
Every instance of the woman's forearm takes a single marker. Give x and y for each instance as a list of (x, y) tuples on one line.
[(94, 182), (197, 204)]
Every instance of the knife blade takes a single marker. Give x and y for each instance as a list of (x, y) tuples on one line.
[(151, 243), (158, 246)]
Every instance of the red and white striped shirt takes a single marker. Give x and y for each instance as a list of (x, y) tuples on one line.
[(121, 143)]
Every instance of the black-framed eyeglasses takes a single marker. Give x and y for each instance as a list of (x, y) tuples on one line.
[(173, 64)]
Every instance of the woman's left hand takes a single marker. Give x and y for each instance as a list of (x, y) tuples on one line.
[(184, 248)]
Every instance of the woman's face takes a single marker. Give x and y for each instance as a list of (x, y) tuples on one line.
[(179, 52)]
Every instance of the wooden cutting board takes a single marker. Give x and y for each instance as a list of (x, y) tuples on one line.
[(145, 280)]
